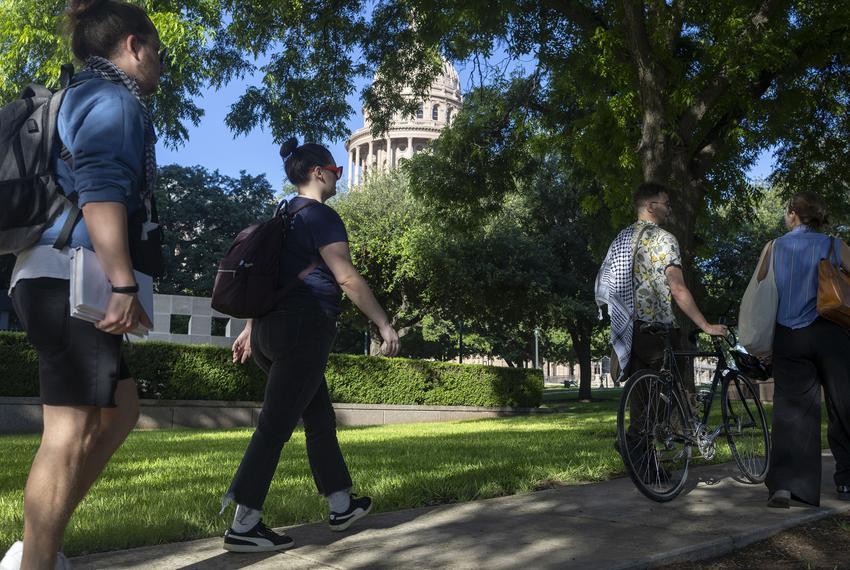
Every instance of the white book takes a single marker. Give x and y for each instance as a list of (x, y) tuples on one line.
[(91, 290)]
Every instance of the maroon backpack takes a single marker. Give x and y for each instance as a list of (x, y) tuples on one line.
[(247, 284)]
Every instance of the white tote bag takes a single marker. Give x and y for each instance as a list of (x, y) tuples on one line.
[(757, 316)]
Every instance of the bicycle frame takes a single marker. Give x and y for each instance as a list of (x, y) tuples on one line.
[(670, 370)]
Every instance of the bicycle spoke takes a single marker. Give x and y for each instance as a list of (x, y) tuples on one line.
[(651, 425), (746, 428)]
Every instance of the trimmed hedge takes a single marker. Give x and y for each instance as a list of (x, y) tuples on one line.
[(186, 372)]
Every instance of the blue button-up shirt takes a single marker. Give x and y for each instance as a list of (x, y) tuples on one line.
[(102, 124), (796, 256)]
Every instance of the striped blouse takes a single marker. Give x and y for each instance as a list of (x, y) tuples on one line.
[(795, 263)]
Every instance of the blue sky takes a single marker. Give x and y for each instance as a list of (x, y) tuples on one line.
[(212, 145)]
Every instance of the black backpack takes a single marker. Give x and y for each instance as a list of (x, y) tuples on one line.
[(30, 198), (247, 284)]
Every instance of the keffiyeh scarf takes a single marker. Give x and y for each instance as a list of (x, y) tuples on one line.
[(615, 289), (107, 70)]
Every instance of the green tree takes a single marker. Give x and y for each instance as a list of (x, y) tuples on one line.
[(498, 178), (729, 250), (680, 92), (677, 92), (202, 54), (380, 217), (814, 152), (201, 213)]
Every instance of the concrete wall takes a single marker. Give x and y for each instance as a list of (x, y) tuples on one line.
[(198, 309), (200, 314), (23, 415)]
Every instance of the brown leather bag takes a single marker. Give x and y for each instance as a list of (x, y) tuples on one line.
[(834, 290)]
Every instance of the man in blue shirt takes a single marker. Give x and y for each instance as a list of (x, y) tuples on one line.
[(89, 399)]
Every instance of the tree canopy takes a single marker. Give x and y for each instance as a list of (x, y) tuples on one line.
[(201, 213)]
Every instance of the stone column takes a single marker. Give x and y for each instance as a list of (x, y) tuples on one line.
[(409, 147), (370, 158), (350, 174), (357, 165), (389, 165)]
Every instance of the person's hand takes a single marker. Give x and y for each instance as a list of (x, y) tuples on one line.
[(242, 346), (123, 314), (716, 330), (390, 345)]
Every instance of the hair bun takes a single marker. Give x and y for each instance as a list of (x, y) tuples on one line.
[(288, 147), (78, 8)]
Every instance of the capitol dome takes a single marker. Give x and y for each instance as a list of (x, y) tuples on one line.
[(406, 136)]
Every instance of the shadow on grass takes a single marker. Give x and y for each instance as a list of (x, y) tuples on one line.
[(165, 486)]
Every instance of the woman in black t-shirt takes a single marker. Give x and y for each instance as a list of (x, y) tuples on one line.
[(292, 344)]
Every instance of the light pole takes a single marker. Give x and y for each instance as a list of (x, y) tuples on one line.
[(460, 341), (536, 347)]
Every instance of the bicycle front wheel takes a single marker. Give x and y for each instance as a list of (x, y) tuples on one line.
[(651, 436), (746, 427)]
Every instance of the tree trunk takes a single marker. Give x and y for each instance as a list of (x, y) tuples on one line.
[(581, 346), (687, 203), (584, 360)]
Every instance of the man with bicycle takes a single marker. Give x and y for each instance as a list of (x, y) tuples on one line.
[(639, 279)]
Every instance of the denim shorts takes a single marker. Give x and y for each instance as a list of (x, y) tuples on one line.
[(78, 365)]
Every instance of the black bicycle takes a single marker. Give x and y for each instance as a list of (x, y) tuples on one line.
[(658, 427)]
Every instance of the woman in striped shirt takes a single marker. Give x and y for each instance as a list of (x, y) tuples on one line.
[(809, 352)]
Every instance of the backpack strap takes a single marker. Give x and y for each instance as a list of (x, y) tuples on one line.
[(66, 73), (283, 207), (766, 260), (64, 236), (834, 254), (51, 128)]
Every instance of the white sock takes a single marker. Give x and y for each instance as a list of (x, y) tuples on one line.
[(245, 518), (339, 501)]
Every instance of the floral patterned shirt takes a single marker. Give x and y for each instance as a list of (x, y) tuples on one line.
[(656, 250)]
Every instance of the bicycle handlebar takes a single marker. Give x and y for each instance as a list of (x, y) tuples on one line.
[(732, 343)]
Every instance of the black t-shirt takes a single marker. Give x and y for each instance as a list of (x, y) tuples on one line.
[(314, 227)]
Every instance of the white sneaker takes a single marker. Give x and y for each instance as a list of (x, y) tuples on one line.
[(12, 560)]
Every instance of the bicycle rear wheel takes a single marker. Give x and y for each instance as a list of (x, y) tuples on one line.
[(651, 431), (746, 427)]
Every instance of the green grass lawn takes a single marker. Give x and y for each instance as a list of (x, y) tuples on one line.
[(165, 486)]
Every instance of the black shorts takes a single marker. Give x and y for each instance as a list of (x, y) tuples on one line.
[(78, 365)]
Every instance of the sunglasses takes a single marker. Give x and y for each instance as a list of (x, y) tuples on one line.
[(163, 57), (335, 169)]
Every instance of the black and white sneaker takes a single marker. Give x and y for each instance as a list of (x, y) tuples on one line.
[(359, 508), (259, 539)]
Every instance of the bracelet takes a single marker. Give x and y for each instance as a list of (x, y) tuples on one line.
[(129, 290)]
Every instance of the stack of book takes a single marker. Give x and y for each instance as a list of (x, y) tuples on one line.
[(91, 290)]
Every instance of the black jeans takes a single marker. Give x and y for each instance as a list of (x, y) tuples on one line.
[(292, 345), (648, 353), (804, 360)]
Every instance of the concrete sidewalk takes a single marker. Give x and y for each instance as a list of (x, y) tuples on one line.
[(604, 525)]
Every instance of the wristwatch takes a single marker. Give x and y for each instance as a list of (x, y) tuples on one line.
[(129, 290)]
